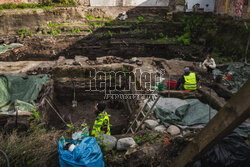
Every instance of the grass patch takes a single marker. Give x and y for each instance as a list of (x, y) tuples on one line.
[(96, 25), (140, 19), (25, 32), (53, 24), (28, 150), (75, 30), (147, 138), (45, 5), (53, 32), (89, 17)]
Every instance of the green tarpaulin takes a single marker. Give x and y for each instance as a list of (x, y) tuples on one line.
[(189, 113), (20, 91), (4, 48), (192, 113)]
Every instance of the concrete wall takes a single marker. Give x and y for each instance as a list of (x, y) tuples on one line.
[(129, 2), (235, 8), (145, 2), (207, 5)]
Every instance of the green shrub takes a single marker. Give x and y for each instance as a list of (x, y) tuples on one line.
[(110, 33), (53, 24), (185, 39), (163, 39), (53, 32), (89, 17), (75, 30), (25, 32), (141, 19)]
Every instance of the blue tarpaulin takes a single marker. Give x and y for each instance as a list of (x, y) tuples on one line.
[(86, 154)]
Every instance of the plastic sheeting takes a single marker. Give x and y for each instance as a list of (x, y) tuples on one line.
[(4, 48), (193, 112), (86, 154), (241, 73), (20, 90), (231, 152), (190, 113)]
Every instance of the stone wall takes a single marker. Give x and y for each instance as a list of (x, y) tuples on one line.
[(237, 8)]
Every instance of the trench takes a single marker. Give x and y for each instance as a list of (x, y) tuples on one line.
[(61, 99)]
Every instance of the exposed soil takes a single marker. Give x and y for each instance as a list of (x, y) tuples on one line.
[(84, 113)]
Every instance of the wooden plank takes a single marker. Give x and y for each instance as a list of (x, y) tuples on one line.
[(178, 94), (228, 118)]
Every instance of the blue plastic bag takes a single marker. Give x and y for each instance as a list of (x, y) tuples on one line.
[(86, 154)]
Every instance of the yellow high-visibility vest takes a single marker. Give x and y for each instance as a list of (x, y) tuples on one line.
[(190, 81), (99, 123)]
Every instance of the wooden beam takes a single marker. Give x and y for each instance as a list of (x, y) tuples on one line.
[(227, 119), (178, 94), (222, 91), (212, 99)]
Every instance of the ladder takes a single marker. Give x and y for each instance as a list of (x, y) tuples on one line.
[(143, 114)]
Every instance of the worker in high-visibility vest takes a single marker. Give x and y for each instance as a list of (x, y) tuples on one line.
[(101, 125), (188, 80)]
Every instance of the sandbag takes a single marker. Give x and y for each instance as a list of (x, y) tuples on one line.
[(86, 154)]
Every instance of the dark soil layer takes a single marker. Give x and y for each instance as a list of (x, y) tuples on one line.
[(224, 37), (84, 113)]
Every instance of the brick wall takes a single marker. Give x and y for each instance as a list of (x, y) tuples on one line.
[(238, 8)]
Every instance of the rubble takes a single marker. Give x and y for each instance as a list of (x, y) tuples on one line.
[(151, 124), (173, 130), (125, 143), (160, 128)]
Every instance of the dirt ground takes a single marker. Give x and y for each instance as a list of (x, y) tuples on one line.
[(84, 113)]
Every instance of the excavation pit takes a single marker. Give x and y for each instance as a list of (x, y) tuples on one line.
[(78, 80)]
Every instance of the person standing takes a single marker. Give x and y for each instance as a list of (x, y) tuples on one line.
[(101, 125), (209, 64)]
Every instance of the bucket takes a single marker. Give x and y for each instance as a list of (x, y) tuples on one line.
[(171, 83)]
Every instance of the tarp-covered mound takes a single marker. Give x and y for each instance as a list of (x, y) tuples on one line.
[(189, 113), (86, 154), (20, 90), (4, 48), (183, 112)]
